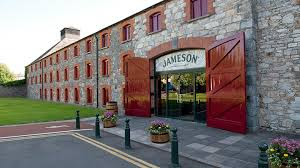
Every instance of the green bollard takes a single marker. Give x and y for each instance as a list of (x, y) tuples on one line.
[(97, 127), (77, 120), (127, 135), (263, 157), (174, 150)]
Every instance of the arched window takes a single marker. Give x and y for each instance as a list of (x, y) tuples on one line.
[(45, 94), (89, 95), (105, 97), (126, 32), (66, 75), (155, 22), (104, 40), (76, 72), (105, 64), (66, 55), (198, 8), (51, 94), (57, 94), (57, 76), (76, 51), (88, 46), (57, 58), (88, 70), (76, 95), (66, 94)]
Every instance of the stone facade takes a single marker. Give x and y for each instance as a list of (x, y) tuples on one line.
[(13, 91), (272, 60)]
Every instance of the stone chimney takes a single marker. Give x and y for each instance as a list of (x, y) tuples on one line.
[(70, 33)]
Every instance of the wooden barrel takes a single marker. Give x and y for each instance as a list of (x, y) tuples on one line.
[(112, 106)]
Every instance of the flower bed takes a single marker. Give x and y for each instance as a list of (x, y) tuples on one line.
[(284, 152), (159, 131), (109, 119)]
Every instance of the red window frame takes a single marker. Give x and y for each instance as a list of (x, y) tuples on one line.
[(155, 22), (57, 76), (41, 94), (76, 95), (88, 70), (50, 60), (41, 65), (57, 58), (105, 68), (76, 51), (31, 68), (51, 77), (51, 94), (66, 93), (105, 97), (41, 79), (66, 74), (104, 40), (89, 95), (126, 32), (66, 55), (88, 46), (198, 8), (35, 67), (57, 94), (35, 79), (45, 94), (45, 78), (45, 63), (76, 72)]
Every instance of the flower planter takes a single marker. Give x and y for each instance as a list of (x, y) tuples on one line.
[(108, 124), (162, 138), (282, 166)]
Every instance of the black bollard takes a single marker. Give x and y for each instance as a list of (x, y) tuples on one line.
[(77, 120), (174, 150), (127, 135), (97, 127), (263, 157)]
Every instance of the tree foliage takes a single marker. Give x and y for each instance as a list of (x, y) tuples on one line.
[(187, 79), (5, 74)]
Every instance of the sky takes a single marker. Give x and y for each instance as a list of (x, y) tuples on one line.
[(29, 28)]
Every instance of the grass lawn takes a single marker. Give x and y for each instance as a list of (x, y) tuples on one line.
[(21, 111)]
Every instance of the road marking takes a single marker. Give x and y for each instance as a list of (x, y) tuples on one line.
[(58, 126), (136, 161), (39, 135)]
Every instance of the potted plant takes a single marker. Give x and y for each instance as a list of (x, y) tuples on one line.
[(109, 119), (284, 153), (159, 131)]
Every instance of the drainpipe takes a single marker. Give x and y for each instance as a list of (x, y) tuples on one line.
[(97, 66)]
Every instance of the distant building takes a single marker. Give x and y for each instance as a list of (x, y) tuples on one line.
[(250, 51)]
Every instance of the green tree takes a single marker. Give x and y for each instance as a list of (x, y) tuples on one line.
[(5, 74), (187, 79)]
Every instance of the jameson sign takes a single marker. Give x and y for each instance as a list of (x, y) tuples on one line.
[(187, 59)]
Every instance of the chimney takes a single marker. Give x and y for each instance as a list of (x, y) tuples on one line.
[(70, 33)]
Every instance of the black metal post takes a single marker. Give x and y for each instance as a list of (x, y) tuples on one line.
[(97, 127), (174, 150), (77, 120), (263, 157), (127, 134)]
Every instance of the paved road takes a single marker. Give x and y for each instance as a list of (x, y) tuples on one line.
[(77, 150)]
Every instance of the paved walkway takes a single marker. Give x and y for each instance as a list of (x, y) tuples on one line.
[(198, 142)]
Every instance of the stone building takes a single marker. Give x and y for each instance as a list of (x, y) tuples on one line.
[(269, 81)]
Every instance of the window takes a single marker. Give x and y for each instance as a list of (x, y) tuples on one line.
[(66, 55), (57, 94), (104, 40), (124, 68), (41, 79), (35, 79), (155, 24), (35, 67), (126, 33), (89, 96), (57, 76), (88, 46), (88, 70), (51, 94), (66, 75), (66, 94), (104, 96), (51, 77), (76, 95), (40, 65), (50, 60), (41, 94), (105, 67), (31, 69), (198, 8), (57, 58), (45, 63), (76, 72), (45, 78), (45, 94), (76, 51)]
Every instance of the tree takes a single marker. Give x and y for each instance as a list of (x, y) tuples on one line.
[(5, 74)]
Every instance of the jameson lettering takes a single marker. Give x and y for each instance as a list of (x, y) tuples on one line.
[(188, 58)]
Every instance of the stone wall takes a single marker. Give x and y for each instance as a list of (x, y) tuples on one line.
[(13, 91), (279, 64)]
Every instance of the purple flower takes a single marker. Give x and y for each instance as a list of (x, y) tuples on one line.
[(108, 114)]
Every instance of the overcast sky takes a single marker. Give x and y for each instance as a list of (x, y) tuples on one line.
[(30, 27)]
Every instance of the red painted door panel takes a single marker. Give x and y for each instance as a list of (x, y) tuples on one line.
[(137, 87), (226, 84)]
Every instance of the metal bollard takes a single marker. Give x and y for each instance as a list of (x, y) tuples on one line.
[(77, 120), (97, 127), (263, 157), (127, 134), (174, 150)]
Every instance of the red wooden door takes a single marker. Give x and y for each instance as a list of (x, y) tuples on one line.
[(137, 87), (226, 84)]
